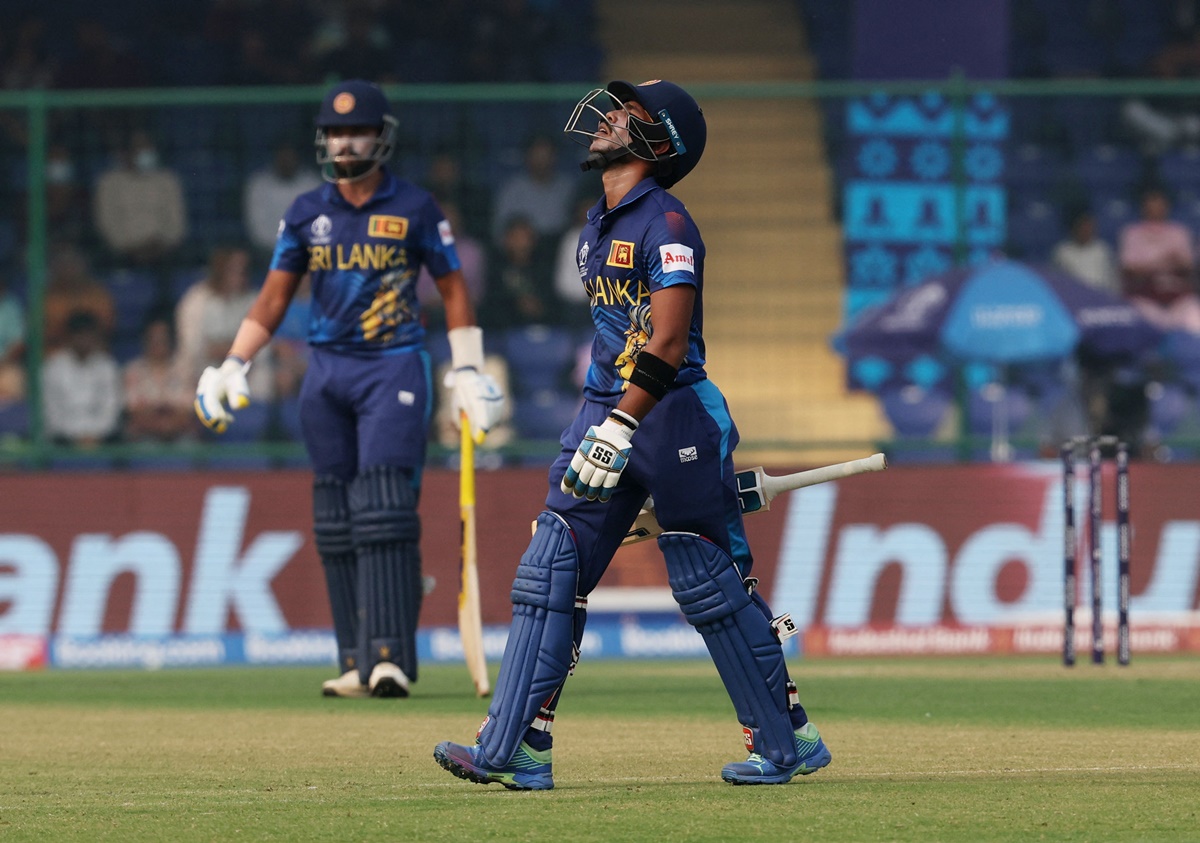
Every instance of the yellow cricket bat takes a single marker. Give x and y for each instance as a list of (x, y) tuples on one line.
[(470, 616)]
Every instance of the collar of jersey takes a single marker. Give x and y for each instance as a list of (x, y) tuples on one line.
[(637, 192), (387, 189)]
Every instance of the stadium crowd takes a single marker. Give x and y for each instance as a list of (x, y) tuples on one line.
[(161, 221)]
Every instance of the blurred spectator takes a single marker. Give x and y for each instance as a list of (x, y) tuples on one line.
[(70, 288), (285, 30), (520, 286), (541, 194), (81, 386), (472, 256), (138, 207), (12, 344), (209, 314), (1085, 256), (507, 40), (158, 394), (66, 198), (270, 190), (445, 181), (1158, 266), (99, 60), (1167, 121), (568, 280), (359, 46), (29, 63)]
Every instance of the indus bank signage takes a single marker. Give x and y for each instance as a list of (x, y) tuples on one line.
[(215, 567)]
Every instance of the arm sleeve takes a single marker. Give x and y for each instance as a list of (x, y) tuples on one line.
[(672, 250), (436, 241), (291, 252)]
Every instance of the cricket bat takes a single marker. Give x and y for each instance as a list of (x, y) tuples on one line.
[(756, 490), (470, 616)]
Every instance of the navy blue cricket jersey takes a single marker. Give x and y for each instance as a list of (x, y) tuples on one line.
[(646, 243), (364, 264)]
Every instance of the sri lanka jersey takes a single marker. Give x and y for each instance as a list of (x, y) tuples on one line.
[(646, 243), (364, 263)]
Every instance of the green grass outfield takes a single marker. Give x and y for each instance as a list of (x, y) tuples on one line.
[(987, 749)]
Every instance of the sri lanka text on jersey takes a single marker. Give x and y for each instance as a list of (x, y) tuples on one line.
[(359, 256), (605, 290)]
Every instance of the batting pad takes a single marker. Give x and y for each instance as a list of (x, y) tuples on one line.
[(385, 528), (709, 590), (331, 529), (538, 654)]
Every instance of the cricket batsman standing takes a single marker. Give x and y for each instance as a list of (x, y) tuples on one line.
[(652, 423), (366, 400)]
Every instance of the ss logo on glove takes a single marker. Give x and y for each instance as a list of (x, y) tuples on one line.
[(603, 455)]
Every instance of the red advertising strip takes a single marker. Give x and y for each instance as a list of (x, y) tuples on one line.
[(916, 558), (22, 652)]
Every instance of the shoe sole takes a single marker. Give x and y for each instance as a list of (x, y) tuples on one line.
[(388, 688), (331, 692), (820, 761), (470, 774)]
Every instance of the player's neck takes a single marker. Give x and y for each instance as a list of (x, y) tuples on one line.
[(358, 192), (619, 179)]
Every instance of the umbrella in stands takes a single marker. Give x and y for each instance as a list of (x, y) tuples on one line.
[(1003, 312)]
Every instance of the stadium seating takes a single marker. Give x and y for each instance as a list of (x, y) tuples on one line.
[(135, 295), (1034, 228), (544, 414), (916, 415), (14, 419), (1109, 168), (540, 357), (1171, 408), (1033, 170), (993, 408)]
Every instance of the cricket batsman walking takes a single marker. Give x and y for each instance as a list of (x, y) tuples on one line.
[(366, 399), (652, 424)]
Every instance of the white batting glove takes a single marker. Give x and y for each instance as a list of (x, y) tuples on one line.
[(597, 465), (220, 388), (479, 396), (475, 393)]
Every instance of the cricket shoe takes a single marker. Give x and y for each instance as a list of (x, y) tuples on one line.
[(387, 680), (346, 685), (811, 755), (529, 769)]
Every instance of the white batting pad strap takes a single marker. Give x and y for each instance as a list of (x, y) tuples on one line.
[(784, 626), (544, 722), (466, 347)]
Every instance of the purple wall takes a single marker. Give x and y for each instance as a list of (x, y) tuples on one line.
[(928, 39)]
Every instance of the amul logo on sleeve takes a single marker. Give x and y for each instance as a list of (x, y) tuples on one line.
[(677, 257), (621, 254)]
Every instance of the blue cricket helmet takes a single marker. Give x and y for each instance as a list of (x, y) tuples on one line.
[(354, 102), (679, 119), (675, 119)]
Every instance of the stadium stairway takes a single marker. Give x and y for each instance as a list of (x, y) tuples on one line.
[(763, 200)]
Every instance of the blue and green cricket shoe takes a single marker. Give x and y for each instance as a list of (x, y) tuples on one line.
[(529, 769), (811, 755)]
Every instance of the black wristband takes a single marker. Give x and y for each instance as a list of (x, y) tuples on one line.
[(623, 418), (653, 374)]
